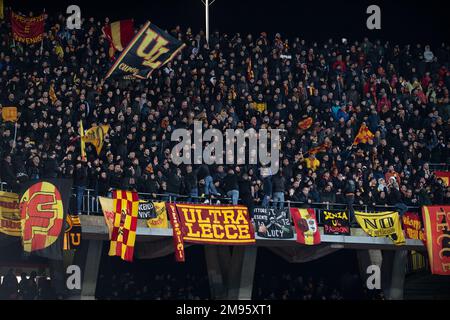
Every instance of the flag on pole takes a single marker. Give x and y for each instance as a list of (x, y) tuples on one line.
[(28, 30), (96, 136), (321, 148), (2, 14), (150, 49), (119, 35), (83, 145), (305, 124), (123, 236), (52, 94), (250, 73), (364, 135), (9, 114), (444, 175)]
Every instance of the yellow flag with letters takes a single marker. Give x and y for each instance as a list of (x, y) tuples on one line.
[(382, 224)]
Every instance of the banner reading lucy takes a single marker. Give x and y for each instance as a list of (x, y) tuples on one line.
[(10, 223), (436, 220), (306, 226), (273, 223), (335, 222), (225, 224), (382, 224), (27, 29), (412, 226)]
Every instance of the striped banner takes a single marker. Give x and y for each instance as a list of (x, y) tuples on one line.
[(306, 226), (123, 236)]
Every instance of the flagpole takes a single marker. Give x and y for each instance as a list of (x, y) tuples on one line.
[(15, 135)]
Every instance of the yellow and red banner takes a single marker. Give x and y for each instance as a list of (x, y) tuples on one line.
[(123, 235), (364, 135), (305, 124), (150, 49), (177, 232), (119, 35), (27, 29), (10, 222), (95, 136), (107, 205), (382, 224), (306, 226), (155, 212), (413, 226), (43, 207), (219, 224), (444, 175), (9, 114), (436, 220), (72, 234)]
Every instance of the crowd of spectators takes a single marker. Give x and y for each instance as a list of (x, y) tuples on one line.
[(150, 286), (237, 81), (288, 286), (30, 287)]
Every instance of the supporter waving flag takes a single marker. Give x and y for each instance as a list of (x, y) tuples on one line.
[(149, 50), (364, 135), (119, 35)]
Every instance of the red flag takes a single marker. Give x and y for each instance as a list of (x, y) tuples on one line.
[(306, 226), (436, 220), (364, 135), (119, 34), (444, 175), (177, 232), (305, 124), (27, 29), (322, 148)]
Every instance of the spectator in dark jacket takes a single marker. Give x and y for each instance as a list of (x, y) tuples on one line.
[(278, 185), (231, 186), (80, 183)]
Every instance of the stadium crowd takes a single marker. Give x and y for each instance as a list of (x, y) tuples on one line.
[(237, 81)]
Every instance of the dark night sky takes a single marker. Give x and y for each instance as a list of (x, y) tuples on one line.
[(402, 20)]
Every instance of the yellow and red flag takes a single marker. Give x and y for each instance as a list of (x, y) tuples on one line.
[(250, 73), (364, 135), (444, 175), (52, 94), (123, 236), (436, 221), (305, 124), (306, 226), (96, 136), (10, 222), (9, 114), (321, 148), (119, 35)]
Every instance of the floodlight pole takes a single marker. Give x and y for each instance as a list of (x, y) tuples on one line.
[(207, 3)]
